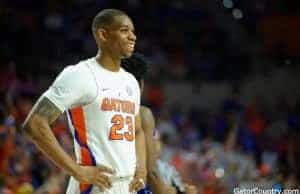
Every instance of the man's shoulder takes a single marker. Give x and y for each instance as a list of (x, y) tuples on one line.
[(130, 79), (84, 65), (147, 117), (129, 75), (145, 110), (80, 68), (78, 74)]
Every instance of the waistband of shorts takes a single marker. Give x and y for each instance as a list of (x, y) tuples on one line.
[(121, 178)]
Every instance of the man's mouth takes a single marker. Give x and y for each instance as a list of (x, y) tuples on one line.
[(131, 46)]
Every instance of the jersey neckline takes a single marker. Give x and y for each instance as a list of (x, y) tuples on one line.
[(104, 69)]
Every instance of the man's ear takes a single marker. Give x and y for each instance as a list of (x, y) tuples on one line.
[(102, 34)]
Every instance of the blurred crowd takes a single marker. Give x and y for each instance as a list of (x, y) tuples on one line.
[(239, 144), (188, 40)]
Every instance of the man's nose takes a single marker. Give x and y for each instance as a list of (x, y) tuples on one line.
[(132, 36)]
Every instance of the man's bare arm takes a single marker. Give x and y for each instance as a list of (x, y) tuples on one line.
[(148, 125), (140, 145), (141, 170), (37, 127), (153, 179)]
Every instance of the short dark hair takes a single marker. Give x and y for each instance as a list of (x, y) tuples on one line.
[(105, 17), (137, 65)]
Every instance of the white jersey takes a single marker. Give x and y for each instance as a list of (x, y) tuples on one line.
[(101, 106)]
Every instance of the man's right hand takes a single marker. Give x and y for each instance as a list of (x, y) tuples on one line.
[(95, 175), (169, 189)]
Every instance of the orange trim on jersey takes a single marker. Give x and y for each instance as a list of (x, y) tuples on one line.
[(79, 124), (86, 158), (77, 116)]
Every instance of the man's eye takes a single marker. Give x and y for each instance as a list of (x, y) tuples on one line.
[(124, 30)]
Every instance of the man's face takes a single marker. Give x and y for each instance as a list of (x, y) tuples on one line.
[(121, 37)]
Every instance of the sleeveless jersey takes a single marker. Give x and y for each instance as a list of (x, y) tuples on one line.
[(101, 106)]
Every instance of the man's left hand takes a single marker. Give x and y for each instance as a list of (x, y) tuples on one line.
[(138, 182)]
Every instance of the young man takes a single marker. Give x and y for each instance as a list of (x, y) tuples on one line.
[(102, 105), (157, 170)]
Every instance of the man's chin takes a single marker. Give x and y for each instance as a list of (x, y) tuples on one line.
[(127, 55)]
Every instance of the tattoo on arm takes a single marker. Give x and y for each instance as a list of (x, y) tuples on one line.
[(46, 109), (153, 173)]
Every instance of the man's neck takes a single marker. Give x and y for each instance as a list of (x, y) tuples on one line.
[(108, 62)]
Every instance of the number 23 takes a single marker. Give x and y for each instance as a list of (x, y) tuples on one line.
[(119, 122)]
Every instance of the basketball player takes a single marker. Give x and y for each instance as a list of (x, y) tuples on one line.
[(102, 102), (138, 66)]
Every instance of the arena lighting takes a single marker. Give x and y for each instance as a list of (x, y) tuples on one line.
[(228, 4), (219, 173), (237, 14)]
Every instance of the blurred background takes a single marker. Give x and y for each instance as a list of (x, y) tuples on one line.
[(223, 86)]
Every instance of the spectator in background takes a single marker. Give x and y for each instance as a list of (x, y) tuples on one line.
[(169, 174)]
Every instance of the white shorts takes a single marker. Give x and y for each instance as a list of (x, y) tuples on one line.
[(120, 185)]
